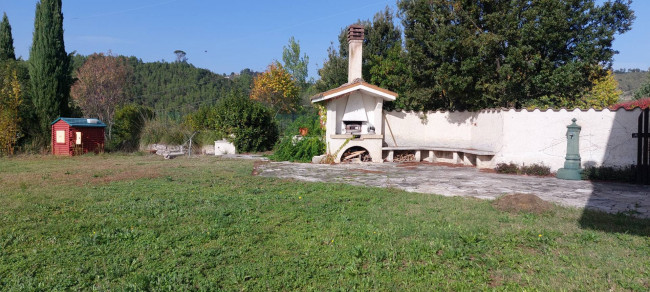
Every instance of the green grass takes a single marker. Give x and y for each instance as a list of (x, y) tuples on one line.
[(119, 222)]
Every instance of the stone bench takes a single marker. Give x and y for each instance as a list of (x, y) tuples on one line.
[(454, 155)]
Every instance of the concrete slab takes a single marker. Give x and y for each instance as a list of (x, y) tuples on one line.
[(470, 182)]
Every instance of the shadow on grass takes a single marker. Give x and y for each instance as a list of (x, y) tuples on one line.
[(631, 201), (618, 208), (615, 223)]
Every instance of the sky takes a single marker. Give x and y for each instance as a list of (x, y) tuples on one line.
[(228, 36)]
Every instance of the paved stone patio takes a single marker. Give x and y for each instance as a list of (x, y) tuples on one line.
[(470, 182)]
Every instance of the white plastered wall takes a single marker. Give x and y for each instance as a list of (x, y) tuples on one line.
[(540, 137), (431, 129), (521, 137)]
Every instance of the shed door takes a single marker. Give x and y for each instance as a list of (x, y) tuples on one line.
[(78, 142)]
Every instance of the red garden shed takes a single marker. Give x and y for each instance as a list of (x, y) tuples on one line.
[(75, 136)]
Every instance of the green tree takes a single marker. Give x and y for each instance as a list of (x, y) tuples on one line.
[(204, 123), (244, 81), (383, 56), (49, 66), (129, 121), (294, 64), (181, 56), (644, 90), (481, 54), (248, 122), (382, 38), (602, 94), (334, 72), (6, 40)]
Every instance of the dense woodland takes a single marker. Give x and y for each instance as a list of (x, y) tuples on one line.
[(460, 55), (177, 88)]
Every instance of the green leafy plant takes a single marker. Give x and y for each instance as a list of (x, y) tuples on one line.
[(310, 121), (129, 121), (203, 122), (536, 169), (533, 169), (607, 173), (292, 149), (509, 168), (246, 123)]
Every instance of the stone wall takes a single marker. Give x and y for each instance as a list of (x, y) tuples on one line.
[(521, 136)]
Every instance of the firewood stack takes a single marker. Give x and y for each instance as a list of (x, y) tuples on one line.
[(404, 157), (356, 156)]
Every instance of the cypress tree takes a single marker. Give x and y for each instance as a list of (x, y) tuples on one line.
[(49, 65), (6, 40)]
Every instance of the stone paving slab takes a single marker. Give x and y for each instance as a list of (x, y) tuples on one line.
[(470, 182)]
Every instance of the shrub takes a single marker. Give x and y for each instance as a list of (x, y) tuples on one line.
[(249, 123), (643, 91), (307, 117), (163, 131), (290, 149), (311, 121), (607, 173), (204, 123), (129, 121), (533, 169), (536, 169), (203, 119), (509, 168)]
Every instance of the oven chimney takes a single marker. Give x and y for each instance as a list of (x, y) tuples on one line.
[(355, 51)]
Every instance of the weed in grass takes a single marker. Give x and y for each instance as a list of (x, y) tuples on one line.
[(588, 237)]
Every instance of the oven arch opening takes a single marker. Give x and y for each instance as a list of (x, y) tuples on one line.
[(356, 154)]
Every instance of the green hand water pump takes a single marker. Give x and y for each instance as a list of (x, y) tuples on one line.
[(571, 170)]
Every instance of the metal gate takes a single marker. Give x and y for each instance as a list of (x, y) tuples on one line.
[(643, 152)]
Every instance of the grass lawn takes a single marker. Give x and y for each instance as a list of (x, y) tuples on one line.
[(128, 222)]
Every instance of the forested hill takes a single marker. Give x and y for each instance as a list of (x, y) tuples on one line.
[(629, 81), (178, 88)]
